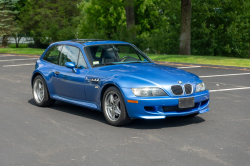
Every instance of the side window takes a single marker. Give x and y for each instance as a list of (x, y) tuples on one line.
[(53, 54), (81, 62), (69, 54)]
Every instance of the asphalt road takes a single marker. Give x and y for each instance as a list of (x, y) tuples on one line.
[(66, 135)]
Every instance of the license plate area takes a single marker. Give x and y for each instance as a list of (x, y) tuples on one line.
[(186, 102)]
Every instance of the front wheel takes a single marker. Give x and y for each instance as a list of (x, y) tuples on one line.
[(40, 92), (113, 107)]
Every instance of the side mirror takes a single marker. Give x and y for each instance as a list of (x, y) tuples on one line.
[(70, 65)]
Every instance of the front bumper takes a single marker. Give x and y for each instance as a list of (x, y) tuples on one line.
[(157, 107)]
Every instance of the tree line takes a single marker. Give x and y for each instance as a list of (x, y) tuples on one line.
[(198, 27)]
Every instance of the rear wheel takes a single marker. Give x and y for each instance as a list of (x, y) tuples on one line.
[(113, 107), (40, 92)]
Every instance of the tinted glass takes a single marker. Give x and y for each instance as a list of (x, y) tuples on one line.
[(53, 54), (69, 54), (81, 62), (129, 52), (99, 52), (114, 54)]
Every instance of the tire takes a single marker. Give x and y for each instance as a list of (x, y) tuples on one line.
[(192, 115), (41, 93), (113, 108)]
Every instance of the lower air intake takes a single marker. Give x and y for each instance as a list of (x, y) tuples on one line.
[(177, 109)]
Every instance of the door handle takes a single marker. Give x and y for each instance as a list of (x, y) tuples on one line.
[(57, 72)]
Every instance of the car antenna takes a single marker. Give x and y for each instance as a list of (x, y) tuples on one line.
[(73, 31)]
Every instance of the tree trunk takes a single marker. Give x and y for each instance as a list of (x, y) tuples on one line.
[(185, 38), (130, 14), (249, 50), (16, 40), (4, 41)]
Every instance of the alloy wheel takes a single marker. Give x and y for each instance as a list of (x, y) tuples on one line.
[(38, 90), (112, 106)]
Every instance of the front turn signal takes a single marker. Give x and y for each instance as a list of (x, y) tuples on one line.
[(132, 101)]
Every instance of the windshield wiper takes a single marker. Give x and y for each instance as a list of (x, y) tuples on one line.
[(137, 62), (110, 63), (104, 64)]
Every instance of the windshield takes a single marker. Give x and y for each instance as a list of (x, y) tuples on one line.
[(112, 54)]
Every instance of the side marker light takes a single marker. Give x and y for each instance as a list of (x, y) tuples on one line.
[(132, 101)]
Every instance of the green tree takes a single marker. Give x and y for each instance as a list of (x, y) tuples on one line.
[(18, 34), (221, 27), (49, 20), (108, 19), (149, 15), (7, 19), (101, 18)]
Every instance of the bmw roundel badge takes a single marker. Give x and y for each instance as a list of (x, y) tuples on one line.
[(180, 82)]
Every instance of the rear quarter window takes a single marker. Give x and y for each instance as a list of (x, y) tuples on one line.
[(53, 54)]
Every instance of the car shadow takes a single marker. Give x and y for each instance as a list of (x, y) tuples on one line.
[(136, 123), (169, 122), (75, 110)]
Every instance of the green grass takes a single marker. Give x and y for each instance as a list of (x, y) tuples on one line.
[(210, 60), (20, 45), (26, 51)]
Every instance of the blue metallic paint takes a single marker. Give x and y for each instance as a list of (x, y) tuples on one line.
[(70, 65), (75, 87)]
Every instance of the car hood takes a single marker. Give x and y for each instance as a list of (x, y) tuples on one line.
[(148, 74)]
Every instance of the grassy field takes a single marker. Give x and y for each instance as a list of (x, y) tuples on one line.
[(26, 51), (20, 45), (211, 60)]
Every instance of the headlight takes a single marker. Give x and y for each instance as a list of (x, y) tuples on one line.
[(148, 92), (200, 87)]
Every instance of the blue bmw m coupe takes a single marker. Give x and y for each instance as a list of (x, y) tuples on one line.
[(118, 79)]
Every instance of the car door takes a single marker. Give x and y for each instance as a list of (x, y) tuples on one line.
[(52, 58), (68, 83)]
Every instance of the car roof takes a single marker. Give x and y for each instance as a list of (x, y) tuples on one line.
[(90, 42)]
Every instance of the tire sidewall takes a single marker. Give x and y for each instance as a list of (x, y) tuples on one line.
[(46, 95), (123, 116)]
